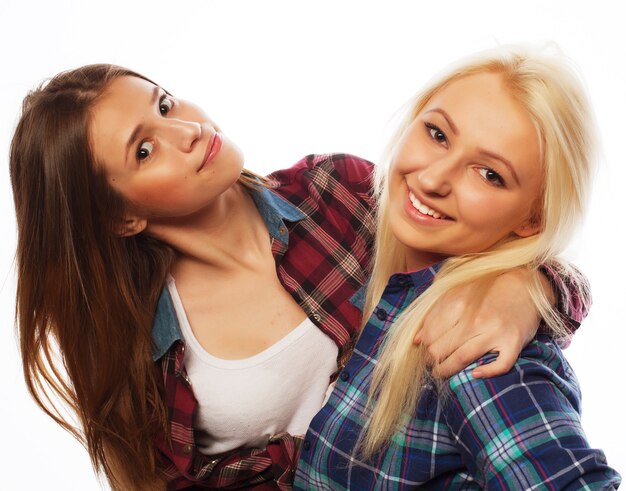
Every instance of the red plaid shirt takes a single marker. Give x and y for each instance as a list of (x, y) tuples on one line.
[(320, 219)]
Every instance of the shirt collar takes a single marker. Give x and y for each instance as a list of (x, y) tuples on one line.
[(420, 280), (275, 211)]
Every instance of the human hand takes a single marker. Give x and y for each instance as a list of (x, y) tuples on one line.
[(457, 331)]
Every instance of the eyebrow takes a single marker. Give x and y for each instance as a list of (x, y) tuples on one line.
[(447, 117), (139, 128)]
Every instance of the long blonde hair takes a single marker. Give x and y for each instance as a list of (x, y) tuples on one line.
[(545, 84)]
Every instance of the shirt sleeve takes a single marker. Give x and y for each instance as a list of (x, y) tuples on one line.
[(573, 297), (522, 430), (353, 172)]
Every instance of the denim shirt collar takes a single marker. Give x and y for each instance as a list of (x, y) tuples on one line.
[(275, 212)]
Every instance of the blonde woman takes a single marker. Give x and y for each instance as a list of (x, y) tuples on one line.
[(490, 172)]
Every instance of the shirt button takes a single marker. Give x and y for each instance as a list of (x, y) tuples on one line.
[(344, 376), (306, 445), (381, 314), (282, 230), (187, 449), (403, 280), (316, 317)]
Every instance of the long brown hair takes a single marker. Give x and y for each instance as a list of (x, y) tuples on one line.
[(85, 296)]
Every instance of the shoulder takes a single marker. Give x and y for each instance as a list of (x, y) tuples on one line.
[(524, 427), (332, 186), (541, 367), (349, 170)]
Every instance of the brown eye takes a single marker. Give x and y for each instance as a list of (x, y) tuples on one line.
[(435, 133), (165, 105), (144, 150), (491, 176)]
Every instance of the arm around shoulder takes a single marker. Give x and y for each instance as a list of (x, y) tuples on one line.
[(523, 428)]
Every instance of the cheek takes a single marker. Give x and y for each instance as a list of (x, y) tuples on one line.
[(498, 217), (157, 191), (411, 156), (478, 206), (490, 210)]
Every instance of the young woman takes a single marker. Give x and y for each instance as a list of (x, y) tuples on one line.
[(199, 312), (490, 172)]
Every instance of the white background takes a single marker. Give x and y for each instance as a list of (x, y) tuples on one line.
[(287, 78)]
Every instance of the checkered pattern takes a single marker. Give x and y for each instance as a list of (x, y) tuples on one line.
[(319, 217), (573, 299), (518, 431), (322, 233)]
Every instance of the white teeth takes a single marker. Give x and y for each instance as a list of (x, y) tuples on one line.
[(422, 208)]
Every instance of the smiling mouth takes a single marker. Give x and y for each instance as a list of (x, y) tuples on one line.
[(214, 146), (425, 210)]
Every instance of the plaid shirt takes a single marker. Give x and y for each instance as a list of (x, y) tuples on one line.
[(319, 218), (517, 431)]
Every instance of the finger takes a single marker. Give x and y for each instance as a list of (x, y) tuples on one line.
[(425, 333), (461, 357), (440, 320), (500, 366), (455, 339), (437, 331)]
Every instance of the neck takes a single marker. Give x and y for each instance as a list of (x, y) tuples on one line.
[(416, 260), (228, 234)]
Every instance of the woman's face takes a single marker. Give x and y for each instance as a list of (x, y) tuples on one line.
[(466, 173), (163, 155)]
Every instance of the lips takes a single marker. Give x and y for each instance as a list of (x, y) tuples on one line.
[(212, 149)]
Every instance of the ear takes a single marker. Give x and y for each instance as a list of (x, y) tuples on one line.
[(131, 225), (530, 227)]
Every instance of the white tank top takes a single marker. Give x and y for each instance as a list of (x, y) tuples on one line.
[(245, 402)]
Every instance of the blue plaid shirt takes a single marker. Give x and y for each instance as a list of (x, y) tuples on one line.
[(521, 430)]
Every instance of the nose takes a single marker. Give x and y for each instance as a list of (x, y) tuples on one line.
[(436, 178), (181, 133)]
